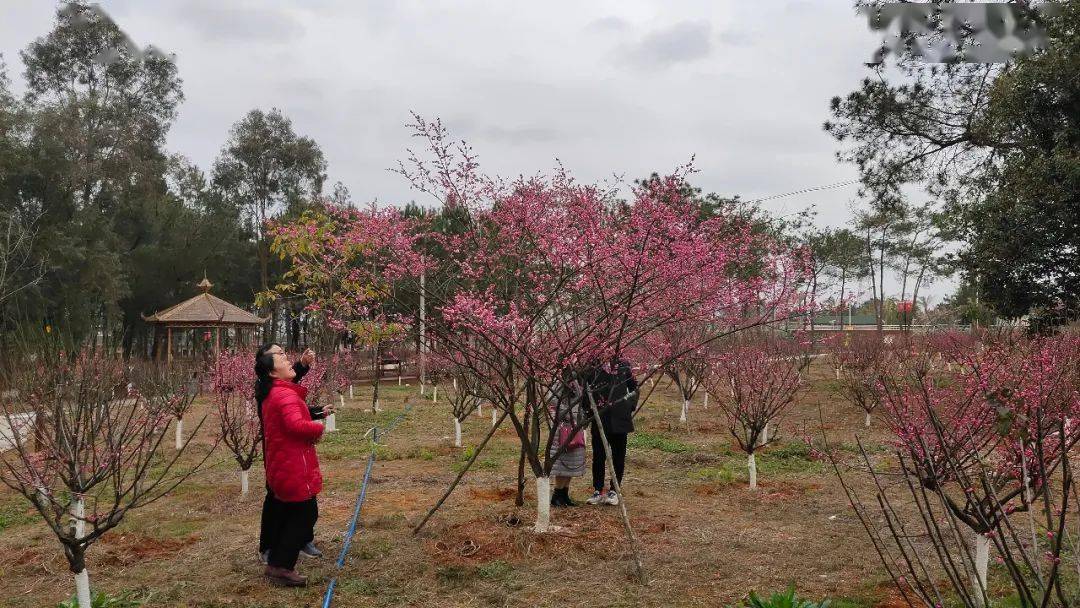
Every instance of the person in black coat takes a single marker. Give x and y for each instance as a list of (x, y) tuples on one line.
[(616, 397), (271, 505)]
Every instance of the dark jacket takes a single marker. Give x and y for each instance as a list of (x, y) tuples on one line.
[(616, 397), (292, 466)]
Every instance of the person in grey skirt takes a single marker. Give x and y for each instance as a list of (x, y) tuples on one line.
[(564, 402)]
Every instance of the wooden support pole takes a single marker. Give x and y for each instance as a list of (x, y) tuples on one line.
[(639, 568), (457, 480)]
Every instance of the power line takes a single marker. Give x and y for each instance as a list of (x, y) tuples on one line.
[(805, 190)]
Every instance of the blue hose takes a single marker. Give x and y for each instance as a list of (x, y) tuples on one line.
[(359, 503)]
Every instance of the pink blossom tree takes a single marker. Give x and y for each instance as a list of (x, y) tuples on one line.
[(979, 451), (556, 276), (860, 361), (344, 264), (96, 454), (464, 389), (754, 382), (175, 387), (232, 390), (685, 350)]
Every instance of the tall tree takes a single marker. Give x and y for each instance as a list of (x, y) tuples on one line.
[(266, 169), (88, 157), (998, 144), (846, 256)]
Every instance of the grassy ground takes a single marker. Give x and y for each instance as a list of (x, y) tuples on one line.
[(707, 539)]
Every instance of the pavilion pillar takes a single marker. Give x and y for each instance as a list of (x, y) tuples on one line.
[(168, 346), (217, 340)]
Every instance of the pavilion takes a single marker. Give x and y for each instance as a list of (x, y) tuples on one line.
[(204, 311)]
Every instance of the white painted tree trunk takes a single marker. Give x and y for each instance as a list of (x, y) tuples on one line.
[(494, 418), (244, 483), (457, 432), (331, 422), (341, 401), (435, 394), (706, 405), (82, 588), (764, 435), (180, 434), (867, 419), (455, 384), (751, 464), (479, 408), (543, 504), (378, 406), (837, 373), (78, 517), (350, 392), (982, 560), (421, 386), (685, 406)]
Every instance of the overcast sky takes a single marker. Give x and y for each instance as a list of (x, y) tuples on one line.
[(607, 87)]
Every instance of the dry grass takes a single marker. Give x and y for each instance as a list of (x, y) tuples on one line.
[(707, 539)]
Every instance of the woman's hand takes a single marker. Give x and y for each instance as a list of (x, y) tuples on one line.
[(308, 357)]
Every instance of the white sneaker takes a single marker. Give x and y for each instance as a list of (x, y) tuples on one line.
[(596, 499), (612, 498)]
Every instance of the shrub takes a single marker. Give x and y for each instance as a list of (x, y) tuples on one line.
[(784, 599)]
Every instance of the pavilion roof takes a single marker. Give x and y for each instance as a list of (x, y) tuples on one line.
[(205, 308)]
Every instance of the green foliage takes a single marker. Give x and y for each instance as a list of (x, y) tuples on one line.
[(421, 453), (496, 571), (101, 599), (15, 513), (998, 146), (788, 457), (721, 475), (650, 441), (784, 599)]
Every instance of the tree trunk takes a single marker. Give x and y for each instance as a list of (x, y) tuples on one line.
[(751, 464), (82, 588), (867, 419), (519, 498), (982, 560), (493, 417), (543, 504), (179, 434), (378, 374), (685, 407), (457, 432), (243, 482)]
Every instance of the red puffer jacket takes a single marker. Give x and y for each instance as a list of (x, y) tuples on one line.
[(292, 468)]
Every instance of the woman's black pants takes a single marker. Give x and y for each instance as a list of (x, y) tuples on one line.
[(599, 458), (286, 527)]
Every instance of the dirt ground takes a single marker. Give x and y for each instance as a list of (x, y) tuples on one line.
[(706, 538)]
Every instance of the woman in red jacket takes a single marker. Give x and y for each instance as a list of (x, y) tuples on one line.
[(292, 468)]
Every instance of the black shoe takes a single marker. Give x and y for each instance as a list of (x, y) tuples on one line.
[(566, 498), (556, 498), (561, 498)]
